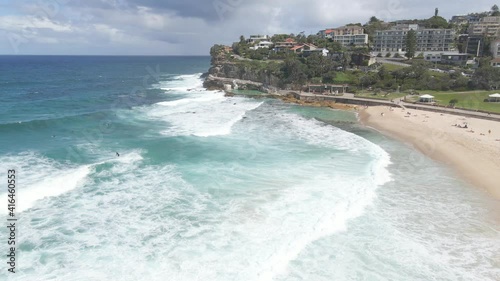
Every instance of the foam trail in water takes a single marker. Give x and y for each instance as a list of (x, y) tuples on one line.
[(41, 177), (183, 84), (202, 115), (347, 199)]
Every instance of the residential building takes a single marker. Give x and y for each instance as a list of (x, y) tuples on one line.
[(349, 40), (474, 45), (435, 40), (447, 58), (256, 38), (322, 51), (432, 57), (465, 19), (453, 58), (495, 49), (488, 26), (428, 39), (304, 47), (262, 44), (284, 46), (347, 30), (346, 35), (495, 62)]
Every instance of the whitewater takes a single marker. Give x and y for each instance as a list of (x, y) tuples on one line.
[(209, 187)]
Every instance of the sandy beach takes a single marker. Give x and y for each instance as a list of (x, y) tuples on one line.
[(473, 152)]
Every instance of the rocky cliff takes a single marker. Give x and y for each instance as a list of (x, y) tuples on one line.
[(231, 72)]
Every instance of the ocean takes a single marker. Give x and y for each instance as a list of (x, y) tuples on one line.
[(128, 169)]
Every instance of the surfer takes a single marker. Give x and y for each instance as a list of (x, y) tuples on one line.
[(118, 154)]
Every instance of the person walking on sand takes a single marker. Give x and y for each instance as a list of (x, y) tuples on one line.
[(489, 132)]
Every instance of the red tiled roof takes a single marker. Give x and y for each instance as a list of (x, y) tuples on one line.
[(289, 40), (297, 47)]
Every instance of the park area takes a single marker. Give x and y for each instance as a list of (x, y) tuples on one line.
[(472, 100)]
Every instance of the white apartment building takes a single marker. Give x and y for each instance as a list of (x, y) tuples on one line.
[(428, 40)]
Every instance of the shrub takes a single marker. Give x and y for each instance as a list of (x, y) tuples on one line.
[(388, 55)]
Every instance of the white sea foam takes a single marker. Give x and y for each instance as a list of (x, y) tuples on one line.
[(199, 112), (206, 97), (183, 84), (124, 218), (39, 177), (266, 213), (347, 198), (204, 115)]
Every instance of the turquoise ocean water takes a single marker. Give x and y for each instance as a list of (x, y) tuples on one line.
[(209, 187)]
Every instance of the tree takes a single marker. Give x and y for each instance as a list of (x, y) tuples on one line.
[(486, 77), (373, 19), (367, 80), (495, 11), (437, 22), (382, 72), (242, 39), (346, 60), (294, 72), (373, 25), (453, 102), (329, 77), (411, 43), (279, 37)]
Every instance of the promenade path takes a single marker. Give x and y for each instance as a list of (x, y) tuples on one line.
[(350, 98)]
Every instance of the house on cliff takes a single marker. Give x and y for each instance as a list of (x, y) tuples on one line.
[(261, 45), (299, 49)]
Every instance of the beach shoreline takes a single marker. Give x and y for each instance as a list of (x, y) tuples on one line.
[(472, 151)]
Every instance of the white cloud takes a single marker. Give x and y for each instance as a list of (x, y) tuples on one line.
[(20, 23), (191, 27)]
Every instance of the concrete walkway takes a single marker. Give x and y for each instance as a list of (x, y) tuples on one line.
[(455, 111), (350, 99)]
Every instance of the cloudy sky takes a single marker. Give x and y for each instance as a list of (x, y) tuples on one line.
[(187, 27)]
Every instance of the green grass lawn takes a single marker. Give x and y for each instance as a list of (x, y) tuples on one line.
[(473, 100), (392, 67), (345, 78)]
